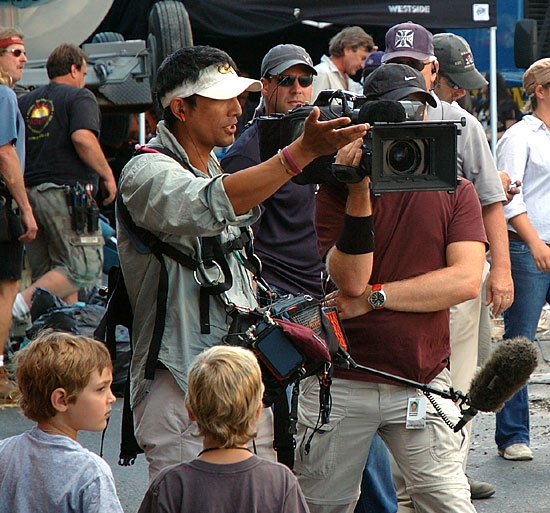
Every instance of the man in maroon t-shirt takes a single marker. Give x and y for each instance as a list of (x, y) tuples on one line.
[(395, 300)]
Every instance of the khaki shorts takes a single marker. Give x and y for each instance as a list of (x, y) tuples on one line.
[(79, 256)]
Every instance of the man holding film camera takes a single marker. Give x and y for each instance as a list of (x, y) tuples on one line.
[(394, 298)]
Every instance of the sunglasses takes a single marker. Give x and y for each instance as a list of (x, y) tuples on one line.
[(413, 63), (451, 83), (17, 52), (288, 80)]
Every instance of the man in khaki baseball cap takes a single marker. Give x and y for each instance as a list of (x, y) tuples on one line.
[(457, 70)]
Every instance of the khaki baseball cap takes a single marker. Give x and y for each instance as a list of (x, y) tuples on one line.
[(537, 74)]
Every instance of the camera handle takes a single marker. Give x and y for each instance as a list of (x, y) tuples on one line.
[(467, 411)]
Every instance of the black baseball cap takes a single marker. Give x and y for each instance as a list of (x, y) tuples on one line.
[(396, 82), (282, 57), (457, 62)]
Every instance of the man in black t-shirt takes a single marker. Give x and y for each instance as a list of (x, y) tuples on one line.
[(284, 235), (64, 166)]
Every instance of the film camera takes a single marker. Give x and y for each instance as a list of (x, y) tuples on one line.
[(400, 152)]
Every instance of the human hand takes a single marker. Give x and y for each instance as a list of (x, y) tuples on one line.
[(499, 291), (326, 137), (108, 186), (541, 256), (349, 307), (29, 225), (510, 189), (350, 155)]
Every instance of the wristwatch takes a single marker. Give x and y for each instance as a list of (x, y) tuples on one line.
[(377, 297)]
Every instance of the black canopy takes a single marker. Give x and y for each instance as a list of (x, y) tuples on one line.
[(247, 18), (247, 29)]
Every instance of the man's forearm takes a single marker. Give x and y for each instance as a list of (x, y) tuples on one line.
[(433, 291), (89, 150), (351, 272), (497, 235), (429, 292)]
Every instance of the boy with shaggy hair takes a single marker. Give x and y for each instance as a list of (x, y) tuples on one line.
[(64, 381), (225, 400)]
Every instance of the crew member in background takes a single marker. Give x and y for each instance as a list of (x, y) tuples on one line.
[(348, 50), (284, 236), (64, 167), (12, 188)]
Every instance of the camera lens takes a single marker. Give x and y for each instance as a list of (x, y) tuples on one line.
[(404, 157)]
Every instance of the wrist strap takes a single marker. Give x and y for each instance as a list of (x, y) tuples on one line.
[(357, 236)]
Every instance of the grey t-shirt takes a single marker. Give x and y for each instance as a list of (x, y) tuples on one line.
[(251, 486), (54, 474), (475, 161)]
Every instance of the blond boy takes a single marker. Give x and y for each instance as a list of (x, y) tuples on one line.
[(64, 381), (225, 399)]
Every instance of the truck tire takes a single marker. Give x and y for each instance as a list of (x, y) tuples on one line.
[(169, 30), (107, 37)]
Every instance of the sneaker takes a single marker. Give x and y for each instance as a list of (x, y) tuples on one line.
[(8, 388), (20, 325), (480, 489), (516, 452)]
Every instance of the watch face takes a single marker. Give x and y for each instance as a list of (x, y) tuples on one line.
[(377, 299)]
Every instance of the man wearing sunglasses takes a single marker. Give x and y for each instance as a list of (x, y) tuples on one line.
[(348, 50), (12, 188), (284, 235), (412, 44)]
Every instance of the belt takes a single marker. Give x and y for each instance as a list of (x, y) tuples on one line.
[(515, 236)]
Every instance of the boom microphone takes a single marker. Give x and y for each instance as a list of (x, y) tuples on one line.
[(505, 372)]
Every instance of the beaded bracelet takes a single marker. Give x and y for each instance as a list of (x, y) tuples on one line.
[(288, 157)]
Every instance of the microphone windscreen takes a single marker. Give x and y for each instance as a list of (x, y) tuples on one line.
[(506, 371), (381, 111)]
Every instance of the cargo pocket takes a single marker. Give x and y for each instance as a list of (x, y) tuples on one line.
[(445, 444), (317, 447), (86, 257)]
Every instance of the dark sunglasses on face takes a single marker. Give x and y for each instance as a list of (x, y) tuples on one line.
[(17, 52), (288, 80)]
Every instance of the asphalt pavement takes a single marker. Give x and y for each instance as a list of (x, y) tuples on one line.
[(521, 487)]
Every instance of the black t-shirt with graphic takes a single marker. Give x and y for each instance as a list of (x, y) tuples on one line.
[(52, 113)]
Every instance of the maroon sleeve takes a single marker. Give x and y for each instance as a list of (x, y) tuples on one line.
[(467, 222), (330, 207)]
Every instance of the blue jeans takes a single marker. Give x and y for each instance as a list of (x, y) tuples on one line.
[(531, 290), (377, 490)]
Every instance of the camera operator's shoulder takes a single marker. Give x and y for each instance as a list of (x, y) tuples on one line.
[(465, 190), (454, 112)]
